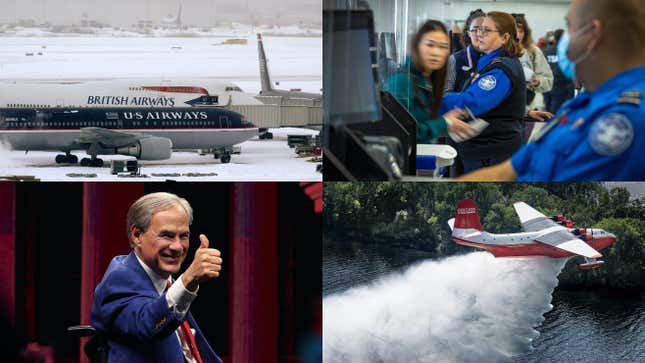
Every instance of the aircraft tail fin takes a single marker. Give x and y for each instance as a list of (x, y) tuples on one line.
[(467, 215), (264, 70)]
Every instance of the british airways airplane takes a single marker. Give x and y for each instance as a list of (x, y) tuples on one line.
[(121, 93), (147, 133)]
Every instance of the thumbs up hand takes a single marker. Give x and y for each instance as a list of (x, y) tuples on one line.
[(205, 266), (203, 241)]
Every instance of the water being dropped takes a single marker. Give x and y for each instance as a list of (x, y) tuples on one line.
[(468, 308)]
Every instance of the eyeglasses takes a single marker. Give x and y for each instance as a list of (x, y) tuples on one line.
[(485, 31), (474, 29)]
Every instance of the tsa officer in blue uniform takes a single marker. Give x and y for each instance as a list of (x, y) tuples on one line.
[(599, 135), (495, 93)]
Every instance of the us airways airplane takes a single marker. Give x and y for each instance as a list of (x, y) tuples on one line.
[(121, 93), (145, 133), (542, 236)]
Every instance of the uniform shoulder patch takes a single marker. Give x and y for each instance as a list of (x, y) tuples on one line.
[(611, 134), (632, 96), (487, 83)]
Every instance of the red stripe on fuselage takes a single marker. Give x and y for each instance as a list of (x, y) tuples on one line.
[(534, 248), (134, 129), (177, 89)]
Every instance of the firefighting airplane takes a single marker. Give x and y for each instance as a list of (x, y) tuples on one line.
[(542, 236)]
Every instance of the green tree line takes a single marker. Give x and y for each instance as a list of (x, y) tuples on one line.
[(415, 215)]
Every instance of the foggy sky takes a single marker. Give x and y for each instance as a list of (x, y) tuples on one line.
[(124, 13)]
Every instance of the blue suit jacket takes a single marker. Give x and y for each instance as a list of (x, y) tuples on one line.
[(137, 321)]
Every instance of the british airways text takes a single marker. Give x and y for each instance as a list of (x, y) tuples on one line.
[(133, 101)]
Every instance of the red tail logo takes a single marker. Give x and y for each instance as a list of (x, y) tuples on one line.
[(467, 215)]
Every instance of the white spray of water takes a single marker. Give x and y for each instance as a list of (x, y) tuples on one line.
[(468, 308)]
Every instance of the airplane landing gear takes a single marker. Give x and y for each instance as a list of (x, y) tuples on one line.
[(92, 162), (225, 158), (223, 153), (66, 159)]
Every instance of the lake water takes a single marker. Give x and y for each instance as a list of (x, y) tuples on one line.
[(580, 327)]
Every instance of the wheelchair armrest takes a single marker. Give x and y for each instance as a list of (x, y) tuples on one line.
[(96, 348), (81, 330)]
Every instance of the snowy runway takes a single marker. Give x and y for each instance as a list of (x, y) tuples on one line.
[(260, 160)]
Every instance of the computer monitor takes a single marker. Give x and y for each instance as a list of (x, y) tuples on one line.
[(350, 78)]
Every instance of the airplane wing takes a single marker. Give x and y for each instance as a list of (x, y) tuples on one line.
[(563, 239), (531, 219), (579, 247), (107, 138)]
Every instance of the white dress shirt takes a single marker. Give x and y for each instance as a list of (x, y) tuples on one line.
[(178, 299)]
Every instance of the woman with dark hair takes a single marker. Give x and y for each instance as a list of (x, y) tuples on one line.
[(533, 59), (418, 85), (496, 93), (461, 64), (538, 74)]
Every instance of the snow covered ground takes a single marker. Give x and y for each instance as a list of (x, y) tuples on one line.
[(260, 160), (295, 62), (233, 30)]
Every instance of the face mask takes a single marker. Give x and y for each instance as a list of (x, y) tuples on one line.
[(567, 65)]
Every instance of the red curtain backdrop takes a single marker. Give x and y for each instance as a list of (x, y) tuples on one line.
[(105, 206), (254, 277), (8, 251)]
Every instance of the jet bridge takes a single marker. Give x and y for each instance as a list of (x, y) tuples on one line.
[(280, 111)]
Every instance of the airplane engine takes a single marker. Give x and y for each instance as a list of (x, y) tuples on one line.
[(149, 148)]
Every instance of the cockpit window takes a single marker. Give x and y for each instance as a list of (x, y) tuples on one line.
[(233, 88)]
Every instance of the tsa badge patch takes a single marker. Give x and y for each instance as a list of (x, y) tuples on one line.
[(487, 83), (611, 135)]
